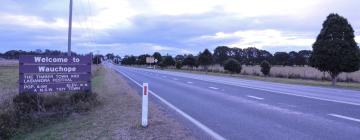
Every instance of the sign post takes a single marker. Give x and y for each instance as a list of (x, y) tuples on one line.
[(39, 73), (145, 107)]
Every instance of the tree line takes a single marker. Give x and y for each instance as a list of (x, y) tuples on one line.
[(247, 56), (334, 51), (14, 54)]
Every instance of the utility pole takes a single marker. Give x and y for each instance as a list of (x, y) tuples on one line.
[(70, 24)]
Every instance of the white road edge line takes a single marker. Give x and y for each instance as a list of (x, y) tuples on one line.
[(182, 113), (344, 117), (254, 97), (280, 92), (214, 88)]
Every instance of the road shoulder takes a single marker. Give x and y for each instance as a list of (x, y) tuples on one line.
[(117, 118)]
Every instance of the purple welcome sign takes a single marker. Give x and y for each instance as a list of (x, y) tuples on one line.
[(44, 73)]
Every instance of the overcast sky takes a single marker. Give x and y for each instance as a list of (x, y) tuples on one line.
[(168, 26)]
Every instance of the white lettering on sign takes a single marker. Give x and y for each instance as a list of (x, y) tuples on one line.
[(56, 69), (36, 80), (50, 60)]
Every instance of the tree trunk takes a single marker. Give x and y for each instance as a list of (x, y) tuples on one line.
[(333, 80)]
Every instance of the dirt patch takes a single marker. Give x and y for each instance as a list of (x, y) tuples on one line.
[(117, 118)]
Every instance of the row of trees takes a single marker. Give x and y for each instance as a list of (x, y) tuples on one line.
[(335, 51), (247, 56), (14, 54)]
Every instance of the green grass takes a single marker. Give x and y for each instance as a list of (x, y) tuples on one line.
[(54, 128), (96, 76), (348, 85), (9, 76)]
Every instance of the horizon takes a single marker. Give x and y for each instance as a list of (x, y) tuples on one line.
[(178, 27)]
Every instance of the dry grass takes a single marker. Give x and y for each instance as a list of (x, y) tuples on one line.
[(117, 118), (9, 75), (295, 72)]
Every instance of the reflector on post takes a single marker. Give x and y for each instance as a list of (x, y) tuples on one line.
[(144, 114)]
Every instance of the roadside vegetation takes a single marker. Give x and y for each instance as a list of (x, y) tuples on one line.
[(23, 113), (335, 57), (117, 117), (112, 111)]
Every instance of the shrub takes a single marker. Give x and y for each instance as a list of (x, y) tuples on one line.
[(168, 61), (97, 59), (178, 64), (232, 65), (265, 67), (28, 110)]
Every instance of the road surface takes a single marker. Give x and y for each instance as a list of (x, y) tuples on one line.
[(229, 108)]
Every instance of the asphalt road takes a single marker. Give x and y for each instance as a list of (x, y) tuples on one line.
[(229, 108)]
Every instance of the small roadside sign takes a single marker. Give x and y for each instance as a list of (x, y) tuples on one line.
[(150, 60)]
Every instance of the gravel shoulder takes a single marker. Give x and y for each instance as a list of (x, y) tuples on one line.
[(117, 118)]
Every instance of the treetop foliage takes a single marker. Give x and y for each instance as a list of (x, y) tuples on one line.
[(335, 49), (232, 65)]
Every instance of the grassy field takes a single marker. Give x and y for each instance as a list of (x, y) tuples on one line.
[(287, 80), (292, 72), (9, 75), (118, 117)]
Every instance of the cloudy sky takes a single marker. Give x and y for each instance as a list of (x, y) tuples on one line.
[(168, 26)]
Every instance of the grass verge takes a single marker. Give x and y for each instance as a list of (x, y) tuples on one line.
[(118, 117), (23, 113)]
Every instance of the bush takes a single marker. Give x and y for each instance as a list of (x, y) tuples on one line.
[(168, 61), (178, 64), (8, 125), (265, 67), (232, 65), (97, 59), (29, 110)]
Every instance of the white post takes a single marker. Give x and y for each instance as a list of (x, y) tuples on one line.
[(144, 115)]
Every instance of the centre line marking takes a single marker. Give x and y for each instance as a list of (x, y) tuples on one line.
[(345, 117), (254, 97), (189, 82), (214, 88)]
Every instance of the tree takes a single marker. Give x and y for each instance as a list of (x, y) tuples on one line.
[(281, 58), (335, 49), (142, 59), (250, 55), (189, 61), (179, 58), (205, 59), (292, 58), (221, 54), (237, 54), (305, 54), (263, 55), (168, 61), (96, 59), (110, 56), (157, 56), (265, 67), (232, 65), (128, 60), (178, 64)]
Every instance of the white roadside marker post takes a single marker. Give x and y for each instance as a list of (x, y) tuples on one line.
[(144, 114)]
